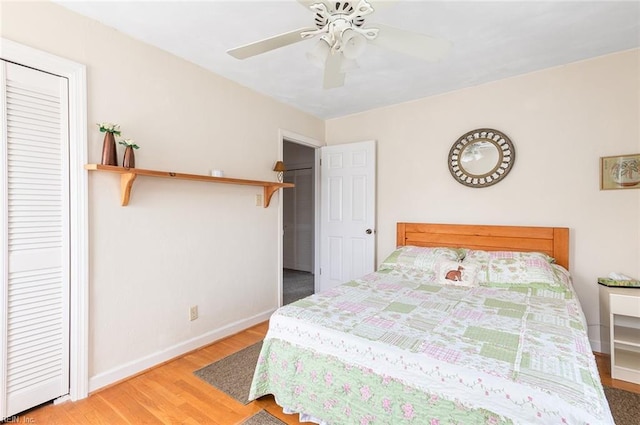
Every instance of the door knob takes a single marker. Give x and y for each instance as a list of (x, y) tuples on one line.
[(369, 231)]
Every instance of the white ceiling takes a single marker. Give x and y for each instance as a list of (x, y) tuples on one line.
[(491, 41)]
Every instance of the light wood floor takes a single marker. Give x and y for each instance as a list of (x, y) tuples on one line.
[(172, 394)]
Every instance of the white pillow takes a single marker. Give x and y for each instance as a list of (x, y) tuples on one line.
[(418, 257), (507, 267)]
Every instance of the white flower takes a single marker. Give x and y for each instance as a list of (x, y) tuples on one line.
[(109, 127), (129, 142)]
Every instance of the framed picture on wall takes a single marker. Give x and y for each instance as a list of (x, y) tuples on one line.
[(620, 172)]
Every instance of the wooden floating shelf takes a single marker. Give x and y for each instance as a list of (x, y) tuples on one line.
[(128, 175)]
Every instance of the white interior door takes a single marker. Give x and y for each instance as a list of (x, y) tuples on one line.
[(34, 292), (347, 226)]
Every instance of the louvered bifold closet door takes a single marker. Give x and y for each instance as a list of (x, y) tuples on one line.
[(36, 220)]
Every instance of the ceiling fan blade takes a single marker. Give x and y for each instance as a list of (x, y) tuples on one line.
[(411, 43), (332, 76), (268, 44)]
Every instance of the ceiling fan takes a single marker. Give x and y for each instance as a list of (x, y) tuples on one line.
[(343, 37)]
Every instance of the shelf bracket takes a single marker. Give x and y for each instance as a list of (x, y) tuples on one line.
[(268, 193), (126, 181)]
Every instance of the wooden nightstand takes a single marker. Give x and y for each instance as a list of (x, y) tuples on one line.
[(620, 326)]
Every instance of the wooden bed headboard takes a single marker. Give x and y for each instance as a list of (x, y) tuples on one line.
[(553, 241)]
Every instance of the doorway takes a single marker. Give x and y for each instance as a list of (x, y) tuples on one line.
[(298, 222)]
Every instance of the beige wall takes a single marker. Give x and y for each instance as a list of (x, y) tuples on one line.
[(178, 243), (561, 121)]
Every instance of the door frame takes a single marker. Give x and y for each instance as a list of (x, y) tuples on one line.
[(76, 75), (315, 144)]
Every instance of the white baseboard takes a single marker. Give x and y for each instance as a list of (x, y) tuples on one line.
[(134, 367)]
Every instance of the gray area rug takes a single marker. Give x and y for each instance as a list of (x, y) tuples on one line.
[(234, 373), (625, 406), (263, 418)]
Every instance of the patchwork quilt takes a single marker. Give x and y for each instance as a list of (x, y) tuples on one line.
[(397, 348)]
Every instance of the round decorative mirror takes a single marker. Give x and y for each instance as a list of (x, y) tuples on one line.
[(481, 158)]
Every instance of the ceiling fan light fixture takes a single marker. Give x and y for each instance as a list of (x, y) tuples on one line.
[(318, 55), (353, 43)]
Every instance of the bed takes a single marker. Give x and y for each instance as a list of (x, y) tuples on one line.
[(462, 324)]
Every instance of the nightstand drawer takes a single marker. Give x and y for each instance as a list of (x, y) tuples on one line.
[(627, 305)]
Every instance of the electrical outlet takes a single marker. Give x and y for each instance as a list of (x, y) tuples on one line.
[(193, 313), (258, 200)]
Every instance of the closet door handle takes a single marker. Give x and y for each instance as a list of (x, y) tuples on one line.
[(368, 231)]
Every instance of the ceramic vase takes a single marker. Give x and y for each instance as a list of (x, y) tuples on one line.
[(109, 156), (129, 160)]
